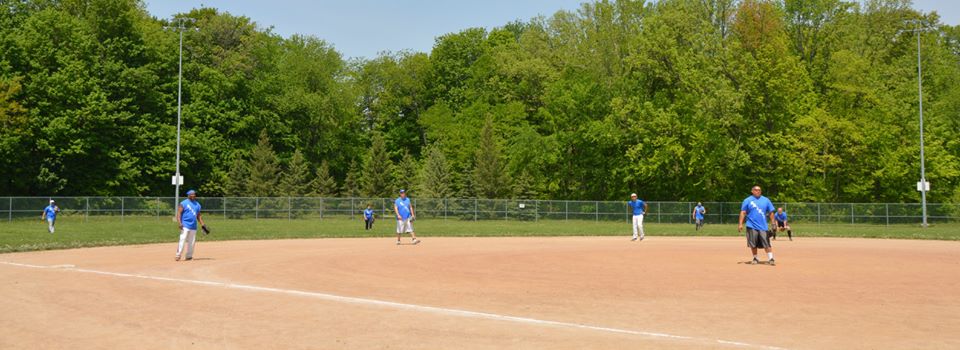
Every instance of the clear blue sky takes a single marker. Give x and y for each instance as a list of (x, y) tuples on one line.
[(362, 28)]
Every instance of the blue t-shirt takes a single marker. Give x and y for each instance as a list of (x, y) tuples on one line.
[(698, 212), (191, 209), (757, 210), (368, 213), (403, 207), (51, 212), (637, 206), (780, 216)]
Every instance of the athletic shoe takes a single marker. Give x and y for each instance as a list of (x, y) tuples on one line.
[(633, 239), (416, 241), (641, 238), (176, 258), (755, 261), (773, 262), (398, 242), (188, 258)]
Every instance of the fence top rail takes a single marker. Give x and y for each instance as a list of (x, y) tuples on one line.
[(525, 200)]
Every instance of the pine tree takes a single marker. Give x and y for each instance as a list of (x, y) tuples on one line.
[(377, 170), (406, 174), (295, 181), (236, 184), (264, 169), (436, 179), (351, 185), (523, 187), (489, 178), (324, 185)]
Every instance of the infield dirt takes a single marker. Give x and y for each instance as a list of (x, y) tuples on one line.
[(486, 293)]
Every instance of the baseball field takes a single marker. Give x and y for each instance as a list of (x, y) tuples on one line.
[(570, 291)]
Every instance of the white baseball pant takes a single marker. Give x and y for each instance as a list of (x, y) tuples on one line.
[(637, 225), (187, 236)]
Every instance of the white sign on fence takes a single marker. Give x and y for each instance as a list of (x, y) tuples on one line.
[(925, 184), (173, 180)]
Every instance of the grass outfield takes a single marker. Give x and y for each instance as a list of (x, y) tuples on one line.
[(27, 235)]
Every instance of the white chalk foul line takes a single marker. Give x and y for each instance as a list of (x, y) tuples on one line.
[(396, 305)]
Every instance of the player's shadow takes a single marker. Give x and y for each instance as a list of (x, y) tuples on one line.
[(750, 261), (204, 259)]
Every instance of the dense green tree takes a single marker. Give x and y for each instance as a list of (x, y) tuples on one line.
[(490, 180), (377, 174), (236, 182), (436, 177), (405, 174), (295, 181), (678, 99), (323, 184), (352, 183), (264, 169)]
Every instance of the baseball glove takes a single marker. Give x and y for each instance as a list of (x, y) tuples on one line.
[(206, 231)]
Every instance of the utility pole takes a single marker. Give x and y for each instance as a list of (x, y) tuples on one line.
[(180, 25)]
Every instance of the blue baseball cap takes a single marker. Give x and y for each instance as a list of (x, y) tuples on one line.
[(191, 192), (403, 191)]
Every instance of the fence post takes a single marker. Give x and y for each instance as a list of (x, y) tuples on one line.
[(322, 204), (288, 208), (818, 213), (121, 209), (86, 209), (444, 209), (256, 209), (690, 211), (658, 212), (506, 210), (224, 208), (475, 204), (536, 210), (158, 208), (596, 205), (851, 214), (10, 210), (887, 205), (566, 210)]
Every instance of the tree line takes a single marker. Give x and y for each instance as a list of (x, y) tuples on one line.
[(816, 100)]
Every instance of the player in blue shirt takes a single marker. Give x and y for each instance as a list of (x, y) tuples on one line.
[(50, 214), (405, 214), (368, 216), (755, 210), (782, 224), (639, 209), (188, 217), (698, 212)]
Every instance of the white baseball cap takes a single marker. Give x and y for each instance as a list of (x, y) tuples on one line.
[(51, 201), (633, 195)]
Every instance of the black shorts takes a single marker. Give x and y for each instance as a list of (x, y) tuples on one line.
[(781, 224), (757, 239)]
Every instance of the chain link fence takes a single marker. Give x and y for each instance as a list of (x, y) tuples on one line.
[(120, 208)]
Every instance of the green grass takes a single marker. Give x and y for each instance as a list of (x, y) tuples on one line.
[(75, 232)]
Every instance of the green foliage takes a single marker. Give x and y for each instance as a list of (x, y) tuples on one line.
[(377, 174), (436, 177), (323, 185), (352, 183), (296, 179), (490, 180), (678, 99), (264, 169), (405, 176)]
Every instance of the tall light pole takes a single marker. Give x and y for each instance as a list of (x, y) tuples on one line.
[(922, 186), (180, 27)]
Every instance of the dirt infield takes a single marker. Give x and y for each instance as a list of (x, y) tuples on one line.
[(486, 293)]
